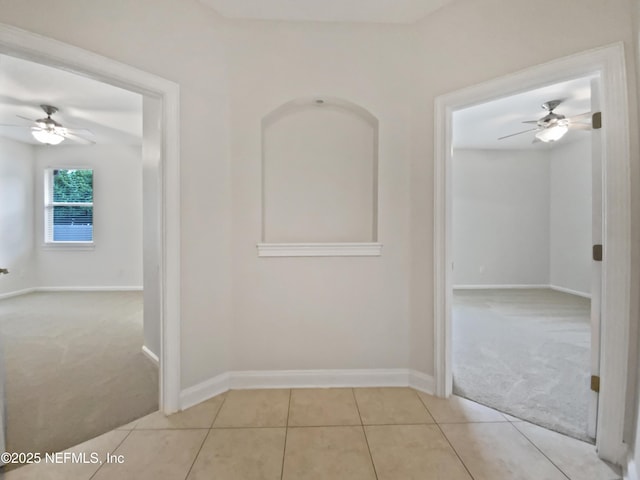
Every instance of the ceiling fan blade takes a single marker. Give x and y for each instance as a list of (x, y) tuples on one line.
[(80, 131), (580, 126), (582, 116), (519, 133), (78, 138), (531, 121), (26, 118)]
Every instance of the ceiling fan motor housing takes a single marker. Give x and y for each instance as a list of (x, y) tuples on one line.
[(49, 109), (550, 120), (551, 105), (48, 123)]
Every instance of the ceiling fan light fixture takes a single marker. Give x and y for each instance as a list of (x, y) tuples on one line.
[(48, 137), (552, 134)]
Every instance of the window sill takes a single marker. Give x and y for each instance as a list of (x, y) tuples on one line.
[(69, 246), (319, 249)]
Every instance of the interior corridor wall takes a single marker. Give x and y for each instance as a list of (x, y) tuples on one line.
[(500, 219), (17, 162), (322, 312)]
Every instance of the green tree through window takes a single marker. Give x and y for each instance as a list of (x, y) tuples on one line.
[(69, 207), (73, 186)]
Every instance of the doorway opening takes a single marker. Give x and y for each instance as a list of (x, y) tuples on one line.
[(522, 243), (74, 346), (160, 189), (608, 64)]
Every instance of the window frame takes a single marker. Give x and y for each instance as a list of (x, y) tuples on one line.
[(50, 204)]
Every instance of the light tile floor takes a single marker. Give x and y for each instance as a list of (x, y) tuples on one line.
[(332, 434)]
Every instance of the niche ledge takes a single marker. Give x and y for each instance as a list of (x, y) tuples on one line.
[(367, 249)]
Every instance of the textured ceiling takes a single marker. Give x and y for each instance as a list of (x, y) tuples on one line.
[(480, 126), (363, 11), (112, 114)]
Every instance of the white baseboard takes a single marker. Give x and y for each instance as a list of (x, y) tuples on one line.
[(515, 287), (204, 391), (631, 471), (108, 288), (99, 288), (16, 293), (568, 290), (498, 287), (258, 379), (150, 355), (423, 382), (319, 378)]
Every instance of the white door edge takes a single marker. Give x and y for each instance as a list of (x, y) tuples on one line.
[(596, 269)]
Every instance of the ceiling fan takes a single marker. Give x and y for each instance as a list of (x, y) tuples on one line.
[(553, 126), (48, 131)]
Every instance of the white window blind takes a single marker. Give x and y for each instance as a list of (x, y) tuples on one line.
[(68, 209)]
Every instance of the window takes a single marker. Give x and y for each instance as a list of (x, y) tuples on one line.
[(68, 206)]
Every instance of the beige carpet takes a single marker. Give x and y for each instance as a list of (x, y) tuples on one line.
[(73, 367), (526, 353)]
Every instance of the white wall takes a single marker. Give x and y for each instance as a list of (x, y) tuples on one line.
[(151, 221), (318, 170), (116, 259), (571, 216), (523, 217), (320, 313), (500, 216), (16, 215)]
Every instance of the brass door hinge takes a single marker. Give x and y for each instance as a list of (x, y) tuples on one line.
[(596, 121), (597, 253), (595, 383)]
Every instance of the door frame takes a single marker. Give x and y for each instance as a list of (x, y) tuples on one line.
[(29, 46), (609, 63)]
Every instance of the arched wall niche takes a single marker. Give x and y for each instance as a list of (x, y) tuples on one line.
[(319, 179)]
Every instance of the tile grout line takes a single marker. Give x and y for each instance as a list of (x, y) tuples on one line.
[(114, 450), (541, 452), (215, 417), (286, 432), (259, 427), (334, 425), (252, 427), (219, 410), (170, 429), (364, 432), (504, 414), (197, 454), (447, 438), (455, 451), (435, 422), (476, 422)]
